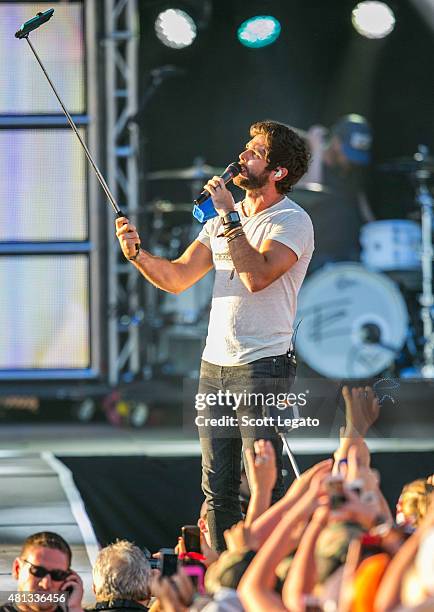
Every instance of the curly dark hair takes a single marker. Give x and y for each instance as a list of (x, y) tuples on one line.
[(285, 148)]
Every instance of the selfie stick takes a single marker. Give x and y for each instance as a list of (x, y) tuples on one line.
[(24, 32)]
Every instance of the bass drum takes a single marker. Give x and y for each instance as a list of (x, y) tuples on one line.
[(353, 322)]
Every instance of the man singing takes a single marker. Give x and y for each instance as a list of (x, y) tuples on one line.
[(260, 249)]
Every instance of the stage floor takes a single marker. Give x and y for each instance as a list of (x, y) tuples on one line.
[(104, 439)]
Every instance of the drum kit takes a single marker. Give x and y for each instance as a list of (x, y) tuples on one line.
[(357, 320)]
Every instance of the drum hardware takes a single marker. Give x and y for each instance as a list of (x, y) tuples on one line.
[(309, 195), (420, 168), (390, 245), (426, 299), (165, 206), (419, 162), (393, 246), (198, 172), (170, 235)]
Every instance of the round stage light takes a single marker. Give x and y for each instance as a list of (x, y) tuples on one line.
[(175, 28), (259, 31), (373, 19)]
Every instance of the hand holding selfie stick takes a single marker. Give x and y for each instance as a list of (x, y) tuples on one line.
[(24, 32)]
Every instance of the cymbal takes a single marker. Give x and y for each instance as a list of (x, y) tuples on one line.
[(164, 206), (193, 173), (409, 165), (309, 194)]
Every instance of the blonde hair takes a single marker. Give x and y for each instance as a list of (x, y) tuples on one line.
[(415, 500)]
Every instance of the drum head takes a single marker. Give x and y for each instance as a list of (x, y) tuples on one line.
[(353, 321)]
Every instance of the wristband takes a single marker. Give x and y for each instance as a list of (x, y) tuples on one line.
[(192, 555)]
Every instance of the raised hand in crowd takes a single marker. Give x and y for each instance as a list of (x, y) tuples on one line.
[(262, 474), (302, 575), (264, 525), (362, 408), (361, 477), (357, 510), (174, 594), (346, 592), (256, 589), (239, 538), (209, 554)]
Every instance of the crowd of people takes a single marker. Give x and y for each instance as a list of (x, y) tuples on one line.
[(330, 543)]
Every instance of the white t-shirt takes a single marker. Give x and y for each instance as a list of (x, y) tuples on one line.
[(246, 326)]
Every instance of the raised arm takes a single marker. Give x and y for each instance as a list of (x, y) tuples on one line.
[(267, 522), (259, 268), (302, 575), (389, 592), (172, 276), (262, 477), (362, 409), (257, 584)]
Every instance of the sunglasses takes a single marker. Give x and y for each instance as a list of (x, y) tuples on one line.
[(40, 572)]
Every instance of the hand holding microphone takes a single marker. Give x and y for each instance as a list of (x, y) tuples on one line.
[(222, 199), (203, 205)]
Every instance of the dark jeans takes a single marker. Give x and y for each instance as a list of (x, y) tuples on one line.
[(245, 388)]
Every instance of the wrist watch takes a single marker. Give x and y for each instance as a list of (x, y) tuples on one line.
[(231, 217)]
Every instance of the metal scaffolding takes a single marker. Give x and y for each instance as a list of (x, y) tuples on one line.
[(122, 150)]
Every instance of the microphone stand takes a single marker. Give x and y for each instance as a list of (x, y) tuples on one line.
[(426, 298), (273, 412)]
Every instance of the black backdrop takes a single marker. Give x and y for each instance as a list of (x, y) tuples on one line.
[(147, 500), (318, 69)]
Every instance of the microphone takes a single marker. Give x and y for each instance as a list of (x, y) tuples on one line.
[(203, 207), (34, 23)]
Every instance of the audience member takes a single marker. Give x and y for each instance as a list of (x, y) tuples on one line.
[(122, 578), (45, 580)]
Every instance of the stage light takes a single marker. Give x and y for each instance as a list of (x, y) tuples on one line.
[(175, 28), (373, 19), (259, 31)]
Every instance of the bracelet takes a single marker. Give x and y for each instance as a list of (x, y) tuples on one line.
[(229, 228), (241, 233), (233, 231), (134, 257)]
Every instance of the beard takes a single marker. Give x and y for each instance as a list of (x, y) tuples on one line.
[(251, 182)]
